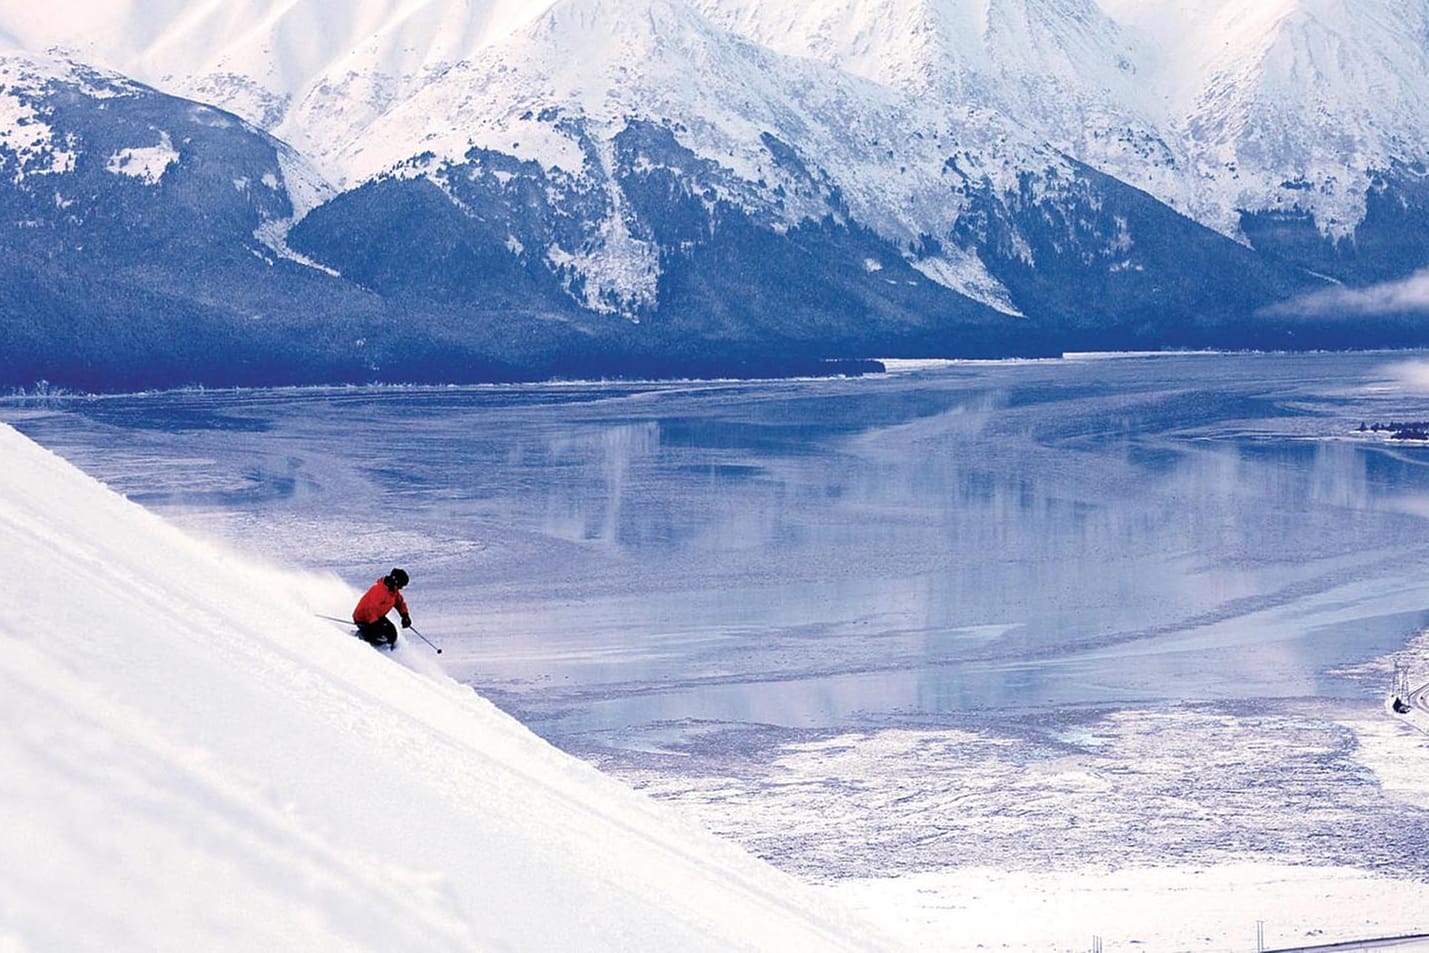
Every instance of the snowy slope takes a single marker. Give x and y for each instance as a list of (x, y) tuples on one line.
[(604, 61), (258, 57), (1211, 105), (280, 64), (193, 761), (1305, 104), (1066, 71)]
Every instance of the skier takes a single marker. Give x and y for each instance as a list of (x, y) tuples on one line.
[(371, 612)]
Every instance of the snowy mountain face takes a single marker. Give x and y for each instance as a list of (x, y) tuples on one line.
[(674, 185), (102, 181)]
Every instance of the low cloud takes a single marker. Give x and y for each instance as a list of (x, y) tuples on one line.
[(1412, 376), (1407, 296)]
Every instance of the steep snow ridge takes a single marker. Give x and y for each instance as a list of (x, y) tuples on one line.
[(1195, 101), (605, 61), (1287, 104), (258, 58), (909, 44), (1028, 60), (1315, 94), (1065, 71), (196, 762), (1210, 105)]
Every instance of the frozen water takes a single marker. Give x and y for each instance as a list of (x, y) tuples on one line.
[(810, 554), (1032, 616)]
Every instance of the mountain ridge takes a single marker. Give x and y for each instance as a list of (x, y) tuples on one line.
[(683, 183), (1047, 67)]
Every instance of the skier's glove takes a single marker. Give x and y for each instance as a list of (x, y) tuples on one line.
[(406, 622)]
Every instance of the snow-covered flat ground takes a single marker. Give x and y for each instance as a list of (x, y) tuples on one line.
[(1143, 908), (1180, 831)]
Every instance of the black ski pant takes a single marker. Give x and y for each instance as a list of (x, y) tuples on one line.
[(381, 632)]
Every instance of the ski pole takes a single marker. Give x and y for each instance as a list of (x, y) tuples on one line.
[(425, 639)]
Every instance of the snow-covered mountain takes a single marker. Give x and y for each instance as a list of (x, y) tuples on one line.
[(752, 182), (188, 766), (140, 230), (1213, 106)]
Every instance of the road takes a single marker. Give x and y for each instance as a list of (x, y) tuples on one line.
[(1403, 944)]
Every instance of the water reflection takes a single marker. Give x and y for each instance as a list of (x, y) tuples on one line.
[(603, 469)]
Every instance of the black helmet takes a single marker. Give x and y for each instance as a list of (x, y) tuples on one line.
[(398, 578)]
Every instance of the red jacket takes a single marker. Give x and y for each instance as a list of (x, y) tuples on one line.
[(378, 601)]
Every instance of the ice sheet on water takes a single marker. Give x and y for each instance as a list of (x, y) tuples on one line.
[(1191, 786)]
